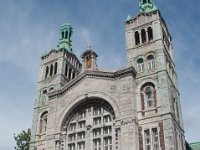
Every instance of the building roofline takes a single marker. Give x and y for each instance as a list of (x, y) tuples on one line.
[(97, 74)]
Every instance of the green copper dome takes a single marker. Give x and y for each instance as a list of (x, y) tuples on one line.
[(147, 6)]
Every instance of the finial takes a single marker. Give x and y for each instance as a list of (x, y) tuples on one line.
[(128, 18), (89, 47), (147, 6)]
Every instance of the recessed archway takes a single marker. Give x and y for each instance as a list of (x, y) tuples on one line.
[(89, 121)]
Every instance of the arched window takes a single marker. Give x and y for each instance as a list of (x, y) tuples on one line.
[(150, 33), (144, 1), (55, 68), (90, 122), (66, 34), (43, 122), (44, 92), (44, 97), (144, 38), (74, 74), (148, 96), (140, 65), (151, 62), (51, 89), (70, 73), (137, 38), (51, 70), (47, 72)]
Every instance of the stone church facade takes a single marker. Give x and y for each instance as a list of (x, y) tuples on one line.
[(80, 107)]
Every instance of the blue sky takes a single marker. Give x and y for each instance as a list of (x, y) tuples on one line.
[(30, 27)]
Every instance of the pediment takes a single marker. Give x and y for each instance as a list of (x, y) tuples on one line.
[(93, 74)]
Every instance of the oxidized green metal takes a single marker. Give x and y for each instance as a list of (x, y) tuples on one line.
[(128, 18), (195, 146), (147, 6), (65, 39)]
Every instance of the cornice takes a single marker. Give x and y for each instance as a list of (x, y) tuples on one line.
[(93, 74)]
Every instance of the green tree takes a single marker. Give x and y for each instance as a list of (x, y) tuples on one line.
[(23, 140)]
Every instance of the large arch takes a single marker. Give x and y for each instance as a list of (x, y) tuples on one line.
[(89, 118), (81, 98), (86, 103)]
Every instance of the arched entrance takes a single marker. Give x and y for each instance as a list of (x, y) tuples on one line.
[(89, 126)]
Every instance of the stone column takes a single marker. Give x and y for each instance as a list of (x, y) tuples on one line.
[(147, 37)]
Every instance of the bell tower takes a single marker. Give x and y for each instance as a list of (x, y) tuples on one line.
[(149, 50), (65, 39), (58, 67)]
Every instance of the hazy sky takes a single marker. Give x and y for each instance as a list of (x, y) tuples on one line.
[(28, 28)]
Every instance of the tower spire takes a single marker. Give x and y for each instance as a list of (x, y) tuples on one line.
[(147, 6), (65, 39)]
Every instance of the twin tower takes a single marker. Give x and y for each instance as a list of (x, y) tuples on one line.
[(80, 107)]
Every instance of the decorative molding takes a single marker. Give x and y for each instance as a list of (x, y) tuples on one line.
[(93, 74)]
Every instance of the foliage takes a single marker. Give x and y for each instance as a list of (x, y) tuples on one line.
[(23, 140)]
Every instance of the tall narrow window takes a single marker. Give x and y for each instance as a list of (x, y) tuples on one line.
[(44, 96), (82, 115), (72, 126), (73, 75), (149, 97), (144, 38), (63, 34), (97, 132), (55, 69), (106, 118), (151, 139), (43, 122), (66, 34), (70, 73), (97, 111), (107, 130), (147, 139), (150, 33), (97, 121), (81, 135), (47, 72), (71, 147), (151, 63), (81, 145), (51, 70), (155, 139), (140, 64), (81, 124), (137, 38), (108, 143), (72, 137), (144, 1), (97, 144)]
